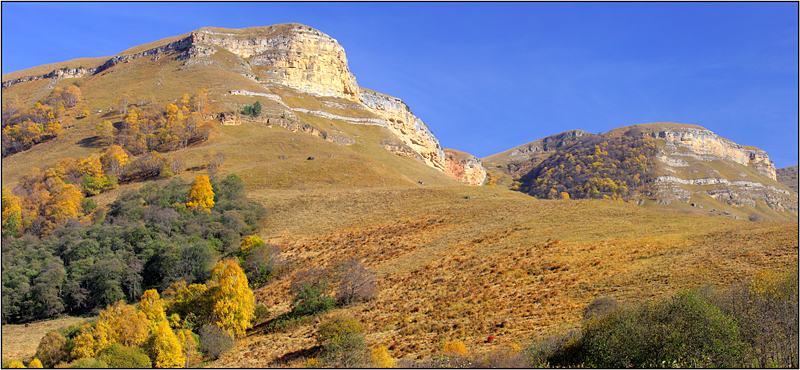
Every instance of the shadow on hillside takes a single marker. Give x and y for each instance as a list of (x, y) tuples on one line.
[(287, 358), (91, 142)]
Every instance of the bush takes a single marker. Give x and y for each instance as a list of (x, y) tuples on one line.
[(357, 282), (52, 349), (766, 311), (261, 312), (310, 288), (344, 343), (84, 363), (121, 357), (382, 359), (684, 330), (214, 341)]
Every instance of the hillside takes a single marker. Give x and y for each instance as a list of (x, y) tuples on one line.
[(344, 172), (692, 166), (788, 176)]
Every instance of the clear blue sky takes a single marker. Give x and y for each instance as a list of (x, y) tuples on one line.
[(486, 77)]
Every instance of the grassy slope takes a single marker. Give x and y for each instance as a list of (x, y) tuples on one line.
[(455, 268)]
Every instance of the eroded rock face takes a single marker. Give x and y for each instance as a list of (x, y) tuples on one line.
[(300, 57), (685, 146), (410, 129), (706, 145), (467, 169)]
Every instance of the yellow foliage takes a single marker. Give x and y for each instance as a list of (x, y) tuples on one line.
[(153, 307), (35, 364), (772, 284), (233, 302), (188, 346), (382, 359), (313, 363), (251, 242), (12, 213), (124, 324), (201, 194), (114, 159), (564, 195), (455, 348), (164, 347), (65, 202), (90, 341), (15, 365)]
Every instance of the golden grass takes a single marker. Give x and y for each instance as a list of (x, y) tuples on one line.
[(500, 264), (20, 343)]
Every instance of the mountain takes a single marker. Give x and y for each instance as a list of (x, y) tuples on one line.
[(788, 177), (692, 166), (296, 72)]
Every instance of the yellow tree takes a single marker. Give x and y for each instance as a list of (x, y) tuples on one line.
[(114, 160), (201, 194), (153, 307), (90, 340), (188, 346), (12, 214), (65, 202), (125, 325), (164, 347), (72, 95), (200, 101), (233, 303)]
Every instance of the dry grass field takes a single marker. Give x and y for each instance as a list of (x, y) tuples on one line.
[(20, 342), (499, 264)]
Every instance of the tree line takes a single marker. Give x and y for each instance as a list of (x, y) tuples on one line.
[(148, 239)]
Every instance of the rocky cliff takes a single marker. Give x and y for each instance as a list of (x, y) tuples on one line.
[(464, 167), (694, 160), (705, 145), (293, 55)]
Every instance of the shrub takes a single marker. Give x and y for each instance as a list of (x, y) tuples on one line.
[(310, 289), (344, 343), (382, 359), (456, 348), (214, 341), (119, 356), (261, 312), (84, 363), (15, 365), (357, 282), (600, 306), (766, 311), (35, 364), (52, 349), (684, 328)]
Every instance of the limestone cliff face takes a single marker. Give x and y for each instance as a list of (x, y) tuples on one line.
[(706, 145), (681, 159), (464, 167), (299, 57), (410, 129)]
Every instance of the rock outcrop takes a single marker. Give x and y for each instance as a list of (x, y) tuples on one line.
[(683, 156), (705, 145), (464, 167)]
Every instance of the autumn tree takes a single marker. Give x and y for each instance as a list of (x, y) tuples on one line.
[(233, 303), (12, 214), (356, 282), (114, 160), (91, 340), (164, 348), (344, 343), (201, 194), (52, 349), (124, 324), (152, 306), (189, 343), (200, 102), (72, 96)]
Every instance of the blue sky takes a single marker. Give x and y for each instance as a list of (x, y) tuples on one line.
[(486, 77)]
